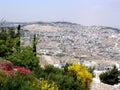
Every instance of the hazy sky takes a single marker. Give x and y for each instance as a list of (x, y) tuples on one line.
[(85, 12)]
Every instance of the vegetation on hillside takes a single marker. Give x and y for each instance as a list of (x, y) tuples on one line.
[(9, 42), (111, 77), (21, 71), (25, 58)]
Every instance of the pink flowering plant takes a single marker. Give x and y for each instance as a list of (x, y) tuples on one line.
[(23, 70), (11, 69)]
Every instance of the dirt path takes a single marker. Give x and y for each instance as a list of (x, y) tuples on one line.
[(98, 85)]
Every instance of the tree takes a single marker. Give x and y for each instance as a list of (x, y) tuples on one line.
[(18, 35), (110, 77), (8, 41), (34, 44), (19, 27)]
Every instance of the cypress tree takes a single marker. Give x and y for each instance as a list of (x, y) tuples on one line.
[(18, 35), (34, 44)]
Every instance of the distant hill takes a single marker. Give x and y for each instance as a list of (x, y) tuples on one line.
[(73, 39), (66, 38)]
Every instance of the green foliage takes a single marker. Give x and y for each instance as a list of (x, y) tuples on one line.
[(18, 36), (35, 40), (63, 81), (20, 81), (51, 69), (110, 77), (17, 82), (34, 44), (8, 41), (65, 67), (66, 82), (48, 78), (91, 69), (42, 84), (10, 49), (3, 78), (25, 58), (19, 27)]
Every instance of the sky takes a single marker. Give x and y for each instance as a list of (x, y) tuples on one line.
[(85, 12)]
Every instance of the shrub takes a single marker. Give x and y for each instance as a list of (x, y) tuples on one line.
[(81, 74), (110, 77), (65, 68), (9, 68), (3, 78), (51, 69), (25, 58), (42, 84), (53, 74), (18, 82), (20, 79), (8, 41), (23, 70)]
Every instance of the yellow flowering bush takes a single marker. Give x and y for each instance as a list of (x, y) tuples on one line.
[(81, 73), (42, 84)]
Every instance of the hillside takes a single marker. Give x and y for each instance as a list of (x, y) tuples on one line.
[(65, 39), (75, 40)]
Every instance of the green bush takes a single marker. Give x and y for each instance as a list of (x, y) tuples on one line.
[(8, 41), (110, 77), (53, 74), (11, 49), (65, 68), (3, 78), (25, 58), (51, 69), (42, 84), (16, 81)]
